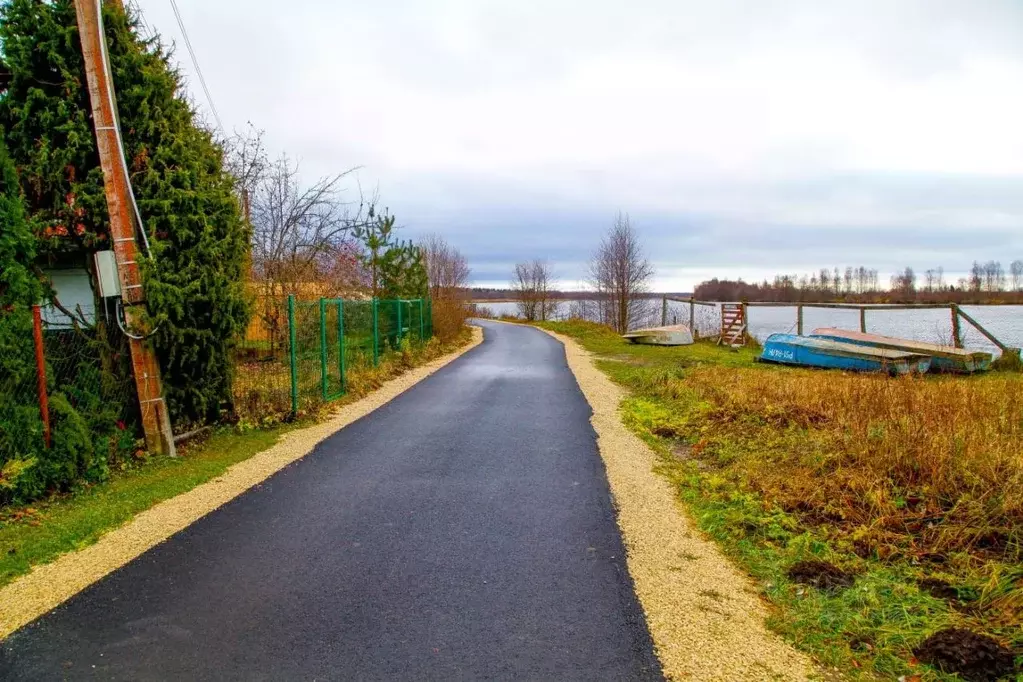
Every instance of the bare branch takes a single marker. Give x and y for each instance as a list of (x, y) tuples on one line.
[(619, 274)]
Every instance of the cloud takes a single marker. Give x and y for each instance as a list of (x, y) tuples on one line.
[(741, 136)]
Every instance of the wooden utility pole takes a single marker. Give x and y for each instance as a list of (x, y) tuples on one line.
[(153, 408)]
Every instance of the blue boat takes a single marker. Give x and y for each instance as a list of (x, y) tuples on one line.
[(805, 351), (943, 358)]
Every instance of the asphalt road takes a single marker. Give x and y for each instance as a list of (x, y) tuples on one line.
[(463, 531)]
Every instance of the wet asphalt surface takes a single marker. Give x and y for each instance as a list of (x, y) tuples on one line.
[(463, 531)]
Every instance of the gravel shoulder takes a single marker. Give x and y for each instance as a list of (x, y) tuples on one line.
[(49, 585), (705, 617)]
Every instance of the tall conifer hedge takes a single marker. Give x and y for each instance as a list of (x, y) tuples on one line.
[(195, 282)]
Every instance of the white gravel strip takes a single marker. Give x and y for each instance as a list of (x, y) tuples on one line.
[(49, 585), (705, 617)]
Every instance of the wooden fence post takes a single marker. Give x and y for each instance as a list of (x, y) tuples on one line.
[(692, 318), (863, 320), (664, 310), (799, 320), (957, 334), (44, 400)]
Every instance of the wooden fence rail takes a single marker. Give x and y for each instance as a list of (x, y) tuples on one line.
[(956, 313)]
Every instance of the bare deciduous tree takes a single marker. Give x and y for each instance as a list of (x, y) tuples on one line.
[(446, 267), (1016, 270), (448, 273), (246, 161), (301, 235), (993, 276), (534, 286), (620, 274), (904, 282)]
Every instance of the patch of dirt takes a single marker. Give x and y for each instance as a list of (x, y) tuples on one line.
[(682, 452), (666, 431), (939, 589), (820, 574), (975, 657)]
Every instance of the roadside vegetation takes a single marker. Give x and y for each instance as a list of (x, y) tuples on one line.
[(40, 532), (873, 512)]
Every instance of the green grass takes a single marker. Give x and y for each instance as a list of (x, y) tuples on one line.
[(42, 531), (738, 466)]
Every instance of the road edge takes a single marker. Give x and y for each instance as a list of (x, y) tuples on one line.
[(49, 585), (704, 615)]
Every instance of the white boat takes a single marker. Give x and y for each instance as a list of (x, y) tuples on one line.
[(672, 335)]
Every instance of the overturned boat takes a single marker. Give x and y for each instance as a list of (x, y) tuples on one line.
[(943, 358), (808, 351), (672, 335)]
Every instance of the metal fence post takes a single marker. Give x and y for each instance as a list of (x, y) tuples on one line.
[(376, 333), (399, 321), (44, 399), (291, 353), (323, 349), (341, 342), (422, 324)]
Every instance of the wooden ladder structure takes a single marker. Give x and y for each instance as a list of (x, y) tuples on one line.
[(733, 325)]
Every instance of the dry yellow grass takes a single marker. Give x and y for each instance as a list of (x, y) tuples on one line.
[(912, 466), (49, 585)]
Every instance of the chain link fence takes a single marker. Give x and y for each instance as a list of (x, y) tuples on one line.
[(68, 410), (300, 354)]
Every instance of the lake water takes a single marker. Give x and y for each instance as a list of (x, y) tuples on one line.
[(931, 325)]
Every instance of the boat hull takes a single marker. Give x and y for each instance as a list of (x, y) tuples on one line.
[(943, 358), (805, 351), (675, 335)]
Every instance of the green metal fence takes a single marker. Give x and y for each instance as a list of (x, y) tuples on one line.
[(310, 355)]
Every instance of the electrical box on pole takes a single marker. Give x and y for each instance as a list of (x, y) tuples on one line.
[(105, 263)]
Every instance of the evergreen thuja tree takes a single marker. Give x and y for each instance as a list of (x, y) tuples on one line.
[(195, 279), (20, 424), (19, 287)]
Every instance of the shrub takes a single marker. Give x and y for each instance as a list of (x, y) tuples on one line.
[(449, 315)]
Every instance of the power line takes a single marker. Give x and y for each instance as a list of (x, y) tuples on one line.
[(195, 63)]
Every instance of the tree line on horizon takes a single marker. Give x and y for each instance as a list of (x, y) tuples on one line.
[(984, 283)]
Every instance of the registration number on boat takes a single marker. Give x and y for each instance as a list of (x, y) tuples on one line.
[(780, 354)]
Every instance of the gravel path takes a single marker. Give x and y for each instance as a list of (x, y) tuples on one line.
[(705, 618), (464, 530)]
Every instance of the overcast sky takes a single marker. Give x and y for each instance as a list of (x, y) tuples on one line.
[(743, 138)]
